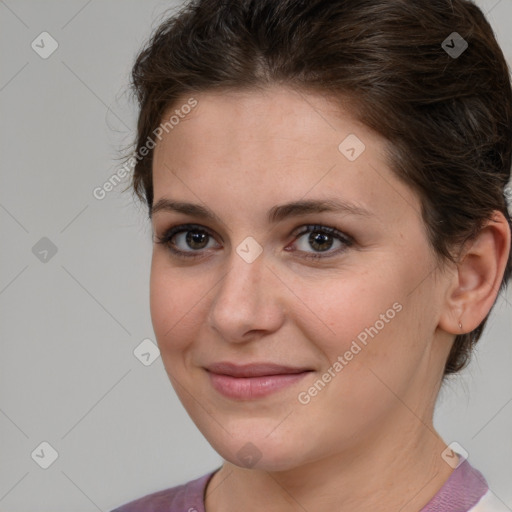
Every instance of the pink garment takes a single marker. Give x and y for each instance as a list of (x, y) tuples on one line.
[(460, 493)]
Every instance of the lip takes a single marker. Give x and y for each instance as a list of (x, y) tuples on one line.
[(247, 382), (254, 369)]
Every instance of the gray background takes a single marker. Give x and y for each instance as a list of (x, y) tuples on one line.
[(69, 326)]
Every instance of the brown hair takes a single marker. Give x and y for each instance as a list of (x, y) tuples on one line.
[(448, 118)]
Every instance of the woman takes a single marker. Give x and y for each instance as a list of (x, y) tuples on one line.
[(326, 185)]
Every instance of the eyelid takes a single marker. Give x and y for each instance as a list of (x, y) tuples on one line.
[(344, 238), (177, 229), (307, 228)]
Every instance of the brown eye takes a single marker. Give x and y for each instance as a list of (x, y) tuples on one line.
[(196, 239), (187, 240), (321, 239)]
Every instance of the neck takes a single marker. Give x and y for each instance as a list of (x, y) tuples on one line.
[(394, 469)]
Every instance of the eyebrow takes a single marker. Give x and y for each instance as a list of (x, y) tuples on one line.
[(275, 214)]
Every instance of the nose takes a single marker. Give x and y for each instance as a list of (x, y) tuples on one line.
[(248, 301)]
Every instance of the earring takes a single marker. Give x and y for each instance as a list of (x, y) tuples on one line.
[(460, 326)]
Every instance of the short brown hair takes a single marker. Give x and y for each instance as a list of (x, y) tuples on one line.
[(447, 118)]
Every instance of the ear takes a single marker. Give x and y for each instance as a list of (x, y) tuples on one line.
[(474, 285)]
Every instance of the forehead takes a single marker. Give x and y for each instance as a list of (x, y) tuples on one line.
[(280, 117), (275, 145)]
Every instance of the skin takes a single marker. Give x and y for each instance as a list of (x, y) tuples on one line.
[(366, 441)]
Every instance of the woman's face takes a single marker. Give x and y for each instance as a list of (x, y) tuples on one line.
[(362, 316)]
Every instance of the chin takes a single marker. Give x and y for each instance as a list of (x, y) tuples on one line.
[(258, 451)]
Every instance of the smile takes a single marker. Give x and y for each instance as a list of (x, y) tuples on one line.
[(248, 388)]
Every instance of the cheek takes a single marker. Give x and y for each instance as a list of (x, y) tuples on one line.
[(350, 308), (363, 348), (175, 300), (372, 321)]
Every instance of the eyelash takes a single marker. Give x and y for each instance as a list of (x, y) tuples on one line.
[(166, 238)]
